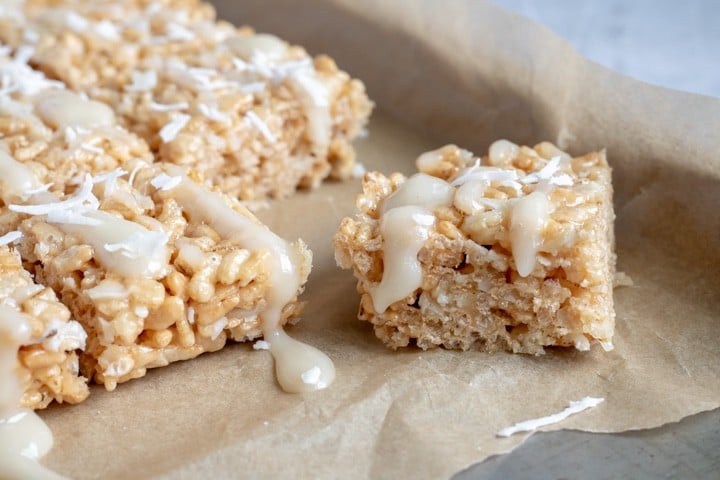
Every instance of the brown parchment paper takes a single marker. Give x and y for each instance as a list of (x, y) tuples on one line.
[(444, 71)]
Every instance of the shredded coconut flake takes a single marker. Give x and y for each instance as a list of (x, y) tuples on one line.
[(548, 174), (488, 174), (260, 124), (64, 336), (168, 107), (176, 32), (119, 367), (70, 134), (562, 180), (312, 376), (107, 30), (82, 197), (142, 81), (534, 424), (217, 327), (17, 76), (171, 129), (33, 191), (316, 90), (253, 87), (139, 244), (261, 345), (134, 172), (198, 79), (92, 148), (214, 114), (24, 54), (76, 21), (10, 237), (109, 179), (165, 182)]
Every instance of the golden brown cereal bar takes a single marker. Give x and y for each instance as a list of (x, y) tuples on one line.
[(152, 280), (255, 116), (156, 266), (512, 251), (47, 365)]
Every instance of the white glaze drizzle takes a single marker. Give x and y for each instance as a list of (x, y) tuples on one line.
[(404, 231), (61, 108), (16, 178), (315, 99), (528, 219), (24, 437), (405, 223), (119, 245), (292, 358), (420, 190), (122, 246)]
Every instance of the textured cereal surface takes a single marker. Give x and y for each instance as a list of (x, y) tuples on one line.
[(248, 126), (472, 295), (212, 289)]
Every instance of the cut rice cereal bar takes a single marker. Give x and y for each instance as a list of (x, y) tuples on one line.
[(47, 364), (255, 116), (155, 266), (513, 251), (158, 271)]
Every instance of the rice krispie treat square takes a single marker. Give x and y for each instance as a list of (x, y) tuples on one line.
[(158, 269), (511, 251), (257, 117), (47, 361)]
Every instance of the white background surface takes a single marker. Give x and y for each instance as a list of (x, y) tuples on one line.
[(672, 43)]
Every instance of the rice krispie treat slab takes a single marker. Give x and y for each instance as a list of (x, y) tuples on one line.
[(256, 116), (47, 360), (159, 269), (512, 251), (153, 276)]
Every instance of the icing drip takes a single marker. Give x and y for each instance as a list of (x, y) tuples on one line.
[(24, 437), (405, 226), (527, 223), (293, 359), (122, 246), (404, 230)]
